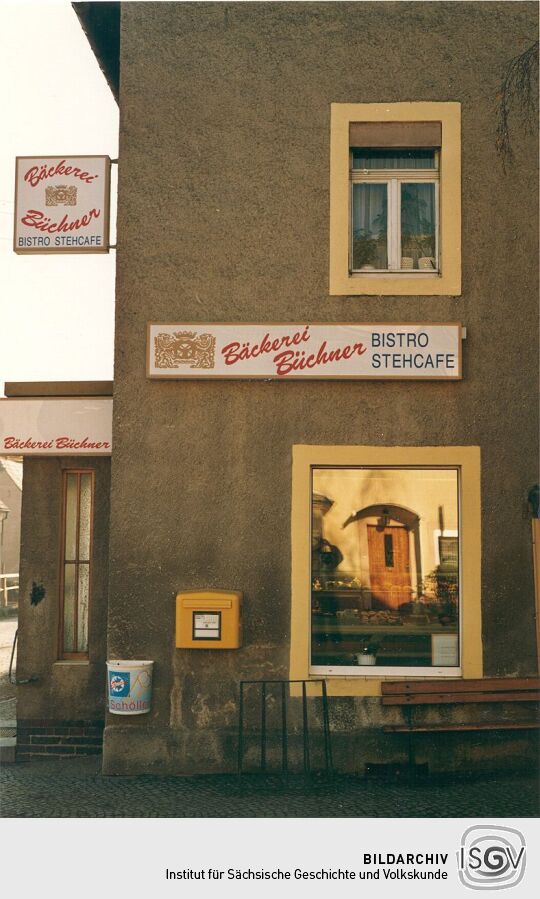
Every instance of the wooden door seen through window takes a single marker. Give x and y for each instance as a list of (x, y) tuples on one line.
[(389, 565)]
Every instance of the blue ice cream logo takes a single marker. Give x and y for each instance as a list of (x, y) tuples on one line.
[(119, 683)]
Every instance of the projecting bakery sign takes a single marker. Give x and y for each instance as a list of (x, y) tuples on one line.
[(62, 204), (286, 351), (56, 427)]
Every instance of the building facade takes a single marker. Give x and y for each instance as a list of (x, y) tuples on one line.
[(305, 163)]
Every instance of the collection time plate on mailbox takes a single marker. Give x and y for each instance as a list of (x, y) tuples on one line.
[(207, 625)]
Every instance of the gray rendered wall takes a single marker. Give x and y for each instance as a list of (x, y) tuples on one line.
[(223, 216)]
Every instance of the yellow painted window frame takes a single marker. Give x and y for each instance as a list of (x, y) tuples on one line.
[(447, 281), (467, 458)]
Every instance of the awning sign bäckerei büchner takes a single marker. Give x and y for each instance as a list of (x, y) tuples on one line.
[(62, 204), (56, 427), (285, 351)]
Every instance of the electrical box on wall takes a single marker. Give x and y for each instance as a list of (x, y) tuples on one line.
[(209, 619)]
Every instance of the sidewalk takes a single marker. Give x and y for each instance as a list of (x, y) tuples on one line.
[(75, 788)]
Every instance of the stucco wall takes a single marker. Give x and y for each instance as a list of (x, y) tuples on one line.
[(63, 690), (223, 216)]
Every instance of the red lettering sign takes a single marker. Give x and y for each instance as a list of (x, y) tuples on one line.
[(36, 219), (36, 174)]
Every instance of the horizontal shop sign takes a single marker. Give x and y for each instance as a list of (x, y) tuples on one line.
[(290, 351), (56, 427), (62, 204)]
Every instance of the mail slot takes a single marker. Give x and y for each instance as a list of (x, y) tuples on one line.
[(209, 619)]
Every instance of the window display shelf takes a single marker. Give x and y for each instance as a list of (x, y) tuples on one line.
[(389, 630)]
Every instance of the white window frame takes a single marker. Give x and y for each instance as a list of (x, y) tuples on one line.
[(394, 178)]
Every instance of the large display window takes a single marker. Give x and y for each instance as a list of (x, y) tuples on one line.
[(386, 565), (385, 572)]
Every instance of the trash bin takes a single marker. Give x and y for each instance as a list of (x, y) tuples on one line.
[(129, 686)]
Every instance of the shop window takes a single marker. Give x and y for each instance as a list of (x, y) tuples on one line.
[(76, 562), (380, 597), (394, 216)]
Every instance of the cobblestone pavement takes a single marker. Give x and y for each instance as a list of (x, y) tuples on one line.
[(75, 788)]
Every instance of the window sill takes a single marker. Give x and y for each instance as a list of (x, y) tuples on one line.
[(382, 672), (395, 284), (68, 663), (387, 273)]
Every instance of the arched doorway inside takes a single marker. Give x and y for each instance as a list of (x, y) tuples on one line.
[(393, 544)]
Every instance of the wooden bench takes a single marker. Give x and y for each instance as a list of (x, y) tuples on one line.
[(411, 694)]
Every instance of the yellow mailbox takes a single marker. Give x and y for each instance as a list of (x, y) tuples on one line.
[(209, 619)]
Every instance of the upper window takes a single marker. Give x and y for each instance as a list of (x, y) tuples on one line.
[(394, 210), (76, 561), (392, 230)]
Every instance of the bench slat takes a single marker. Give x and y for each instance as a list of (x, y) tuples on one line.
[(476, 685), (445, 698), (442, 728)]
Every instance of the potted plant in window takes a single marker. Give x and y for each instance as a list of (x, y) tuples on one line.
[(368, 651), (417, 233), (364, 249)]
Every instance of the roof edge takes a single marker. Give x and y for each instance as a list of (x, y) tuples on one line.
[(58, 388), (101, 25)]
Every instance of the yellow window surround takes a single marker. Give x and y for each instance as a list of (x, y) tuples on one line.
[(467, 459), (447, 281)]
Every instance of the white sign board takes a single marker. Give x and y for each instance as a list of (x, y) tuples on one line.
[(444, 650), (372, 351), (62, 204), (56, 427)]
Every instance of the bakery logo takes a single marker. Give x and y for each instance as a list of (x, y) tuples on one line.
[(184, 348), (491, 857), (60, 195)]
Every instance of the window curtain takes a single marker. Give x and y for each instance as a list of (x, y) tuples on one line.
[(369, 210)]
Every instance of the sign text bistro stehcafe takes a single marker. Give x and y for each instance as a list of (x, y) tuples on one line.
[(412, 351), (62, 204)]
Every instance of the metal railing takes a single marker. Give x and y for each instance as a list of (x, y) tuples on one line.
[(280, 692), (5, 588)]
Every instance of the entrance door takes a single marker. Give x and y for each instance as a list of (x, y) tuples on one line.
[(389, 567)]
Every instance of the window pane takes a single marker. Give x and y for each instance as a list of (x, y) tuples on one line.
[(369, 227), (69, 608), (364, 158), (85, 513), (388, 551), (71, 517), (418, 227), (82, 618), (448, 551), (381, 593)]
